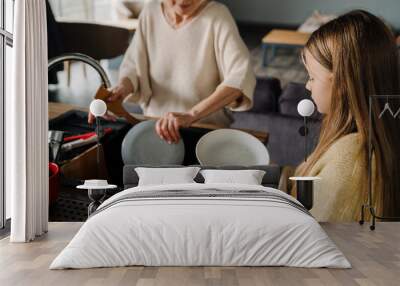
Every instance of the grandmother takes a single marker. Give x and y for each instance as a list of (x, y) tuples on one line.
[(187, 63)]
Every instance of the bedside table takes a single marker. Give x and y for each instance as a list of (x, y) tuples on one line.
[(305, 190), (96, 192)]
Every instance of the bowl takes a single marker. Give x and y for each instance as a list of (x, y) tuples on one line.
[(142, 145)]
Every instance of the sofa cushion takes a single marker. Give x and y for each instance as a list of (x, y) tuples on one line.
[(266, 95), (291, 96)]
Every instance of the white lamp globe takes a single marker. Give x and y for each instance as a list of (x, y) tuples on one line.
[(98, 107), (305, 108)]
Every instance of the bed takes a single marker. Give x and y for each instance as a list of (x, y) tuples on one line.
[(198, 224)]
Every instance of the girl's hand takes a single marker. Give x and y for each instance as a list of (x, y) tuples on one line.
[(167, 127), (120, 91)]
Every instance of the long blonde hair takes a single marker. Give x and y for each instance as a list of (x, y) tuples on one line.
[(360, 51)]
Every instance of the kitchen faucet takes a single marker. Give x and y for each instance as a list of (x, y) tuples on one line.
[(81, 58)]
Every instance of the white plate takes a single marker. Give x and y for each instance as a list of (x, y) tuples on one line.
[(231, 147)]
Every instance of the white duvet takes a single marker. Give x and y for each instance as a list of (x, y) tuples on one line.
[(193, 231)]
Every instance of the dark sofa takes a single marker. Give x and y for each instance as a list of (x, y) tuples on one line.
[(275, 112)]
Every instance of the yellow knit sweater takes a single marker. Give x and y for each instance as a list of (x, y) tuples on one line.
[(343, 189)]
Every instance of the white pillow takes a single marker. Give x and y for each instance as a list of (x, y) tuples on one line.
[(164, 176), (248, 177)]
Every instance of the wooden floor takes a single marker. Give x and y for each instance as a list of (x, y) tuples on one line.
[(375, 257)]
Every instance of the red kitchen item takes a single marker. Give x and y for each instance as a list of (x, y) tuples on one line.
[(85, 135), (54, 182)]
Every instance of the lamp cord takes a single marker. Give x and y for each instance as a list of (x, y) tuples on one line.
[(305, 139), (98, 143)]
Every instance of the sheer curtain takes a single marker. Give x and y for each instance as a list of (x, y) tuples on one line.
[(27, 124)]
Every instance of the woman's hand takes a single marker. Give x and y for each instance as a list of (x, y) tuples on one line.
[(167, 127), (120, 91)]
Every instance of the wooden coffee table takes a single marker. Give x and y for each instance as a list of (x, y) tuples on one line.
[(282, 38)]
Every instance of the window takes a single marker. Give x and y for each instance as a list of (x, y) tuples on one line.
[(6, 43), (82, 9)]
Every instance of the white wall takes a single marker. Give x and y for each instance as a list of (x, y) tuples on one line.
[(294, 12)]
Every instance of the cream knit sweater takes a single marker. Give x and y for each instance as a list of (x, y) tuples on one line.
[(342, 190), (174, 69)]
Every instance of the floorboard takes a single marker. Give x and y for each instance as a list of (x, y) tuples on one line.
[(375, 257)]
